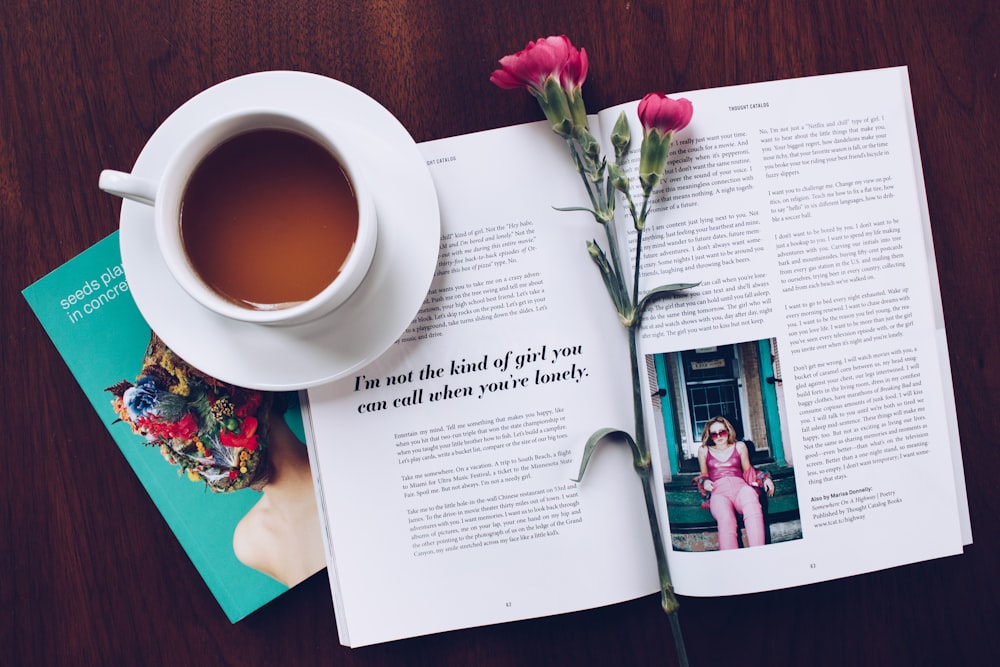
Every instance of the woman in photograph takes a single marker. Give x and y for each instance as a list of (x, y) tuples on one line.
[(231, 439), (726, 474)]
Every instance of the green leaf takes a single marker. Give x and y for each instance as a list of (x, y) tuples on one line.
[(592, 443), (607, 275), (565, 209), (172, 407), (617, 179), (589, 145), (599, 436), (660, 292), (653, 158)]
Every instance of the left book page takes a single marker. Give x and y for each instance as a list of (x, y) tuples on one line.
[(87, 310), (445, 467)]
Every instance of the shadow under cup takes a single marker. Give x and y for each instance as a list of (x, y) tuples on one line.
[(266, 222)]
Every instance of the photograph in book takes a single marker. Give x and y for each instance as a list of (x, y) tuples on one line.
[(733, 391), (813, 337), (216, 460)]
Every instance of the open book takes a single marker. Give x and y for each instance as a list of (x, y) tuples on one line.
[(444, 468)]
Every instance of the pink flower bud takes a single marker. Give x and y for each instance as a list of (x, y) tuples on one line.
[(659, 112)]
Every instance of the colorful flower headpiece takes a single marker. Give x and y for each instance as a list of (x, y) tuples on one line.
[(215, 432)]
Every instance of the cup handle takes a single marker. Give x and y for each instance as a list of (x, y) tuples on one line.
[(128, 186)]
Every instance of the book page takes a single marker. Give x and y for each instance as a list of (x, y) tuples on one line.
[(816, 330), (445, 467)]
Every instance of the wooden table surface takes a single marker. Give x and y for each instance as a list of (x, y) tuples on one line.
[(89, 572)]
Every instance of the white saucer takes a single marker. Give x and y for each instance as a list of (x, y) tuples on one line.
[(300, 356)]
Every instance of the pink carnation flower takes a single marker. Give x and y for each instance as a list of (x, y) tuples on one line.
[(554, 57), (660, 116), (660, 112)]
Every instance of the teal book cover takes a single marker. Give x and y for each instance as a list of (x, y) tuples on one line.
[(87, 310)]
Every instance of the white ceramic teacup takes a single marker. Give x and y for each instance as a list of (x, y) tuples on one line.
[(166, 197)]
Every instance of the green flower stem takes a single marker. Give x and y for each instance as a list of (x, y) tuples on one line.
[(638, 255), (631, 208), (643, 467), (582, 170), (587, 173), (603, 211), (567, 116), (645, 211), (627, 304), (675, 629), (667, 598), (640, 226)]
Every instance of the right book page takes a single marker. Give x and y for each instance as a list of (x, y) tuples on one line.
[(816, 331)]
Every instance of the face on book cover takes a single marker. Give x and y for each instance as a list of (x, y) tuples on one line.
[(231, 439)]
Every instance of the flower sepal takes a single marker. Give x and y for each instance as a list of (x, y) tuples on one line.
[(588, 144), (653, 158), (577, 109), (554, 103), (619, 180)]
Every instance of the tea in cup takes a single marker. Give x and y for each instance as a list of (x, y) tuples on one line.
[(260, 217)]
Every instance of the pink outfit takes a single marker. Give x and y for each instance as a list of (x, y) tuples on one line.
[(731, 494)]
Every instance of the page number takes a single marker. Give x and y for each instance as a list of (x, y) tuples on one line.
[(508, 604), (812, 566)]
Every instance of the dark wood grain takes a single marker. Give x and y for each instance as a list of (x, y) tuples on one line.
[(89, 572)]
